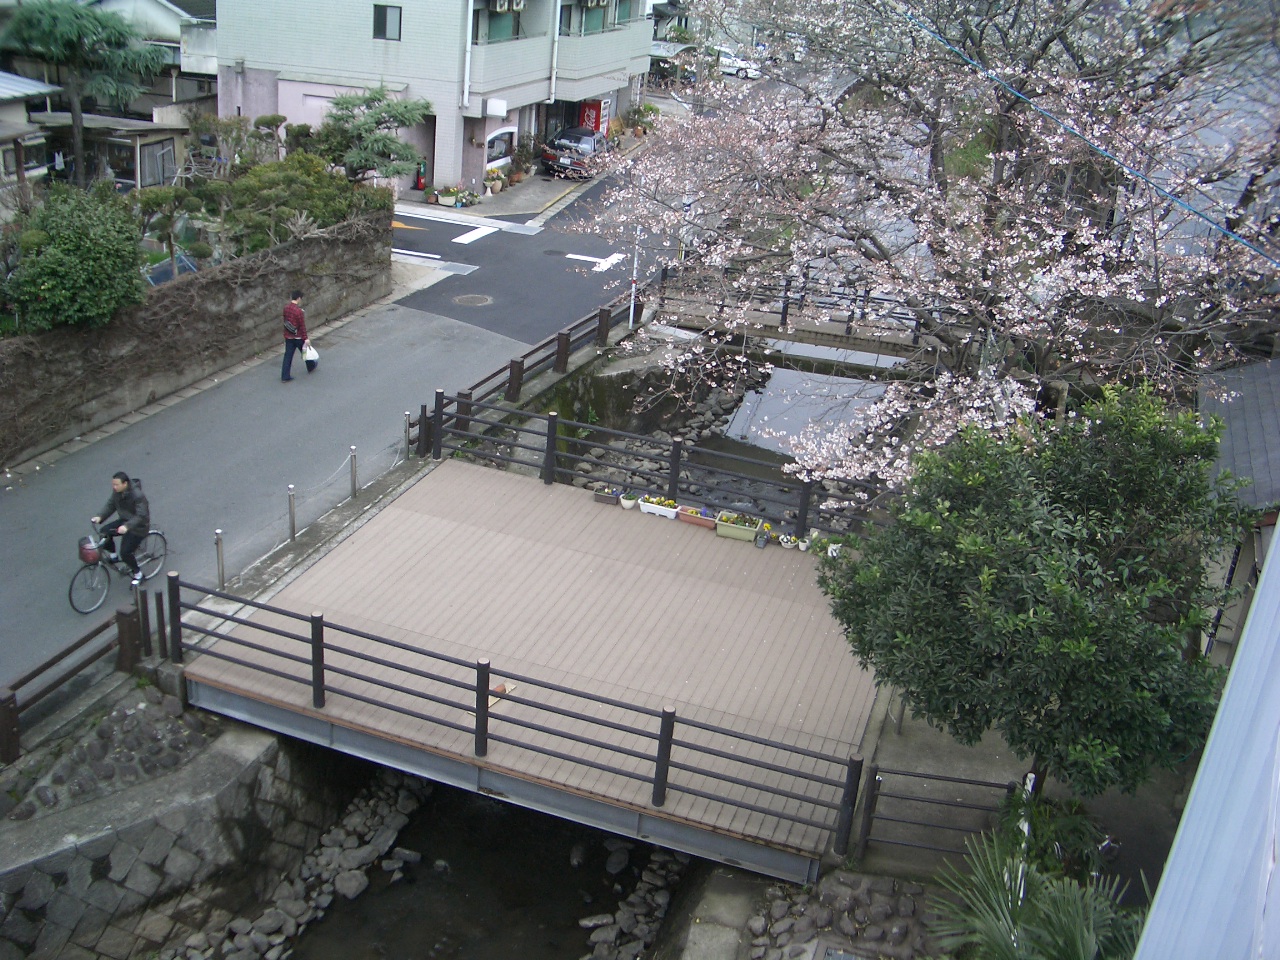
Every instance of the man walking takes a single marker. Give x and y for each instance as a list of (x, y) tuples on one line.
[(295, 334)]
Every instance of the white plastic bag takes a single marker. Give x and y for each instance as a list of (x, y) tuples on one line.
[(310, 353)]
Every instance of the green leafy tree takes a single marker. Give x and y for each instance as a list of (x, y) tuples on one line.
[(1008, 909), (79, 263), (161, 209), (359, 134), (99, 53), (1052, 584)]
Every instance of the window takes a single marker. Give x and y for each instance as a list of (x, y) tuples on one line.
[(503, 26), (624, 11), (386, 22), (158, 166)]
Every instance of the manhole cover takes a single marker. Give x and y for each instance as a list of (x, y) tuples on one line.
[(473, 300)]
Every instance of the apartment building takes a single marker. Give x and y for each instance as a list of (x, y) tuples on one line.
[(492, 69)]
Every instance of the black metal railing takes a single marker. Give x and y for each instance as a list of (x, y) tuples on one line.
[(914, 808), (566, 451), (669, 753)]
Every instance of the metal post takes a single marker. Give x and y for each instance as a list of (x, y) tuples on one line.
[(175, 619), (549, 455), (562, 352), (673, 468), (482, 707), (868, 810), (786, 300), (515, 379), (424, 431), (317, 660), (666, 732), (902, 709), (852, 776), (222, 572), (10, 748), (408, 450), (160, 627), (355, 486), (144, 624), (802, 514), (127, 656), (437, 427), (603, 319), (293, 514)]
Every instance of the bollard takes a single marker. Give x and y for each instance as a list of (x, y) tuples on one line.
[(355, 488), (222, 572), (293, 514)]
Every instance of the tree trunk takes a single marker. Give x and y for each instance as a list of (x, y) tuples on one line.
[(72, 89)]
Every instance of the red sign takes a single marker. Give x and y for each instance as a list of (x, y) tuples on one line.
[(590, 114)]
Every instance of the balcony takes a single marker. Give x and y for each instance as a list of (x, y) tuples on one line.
[(500, 65), (620, 50)]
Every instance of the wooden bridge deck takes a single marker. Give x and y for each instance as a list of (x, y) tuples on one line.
[(541, 580)]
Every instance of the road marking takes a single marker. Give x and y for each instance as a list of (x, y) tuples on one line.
[(600, 265), (416, 254), (471, 236), (401, 225)]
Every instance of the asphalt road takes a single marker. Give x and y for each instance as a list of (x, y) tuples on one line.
[(225, 457)]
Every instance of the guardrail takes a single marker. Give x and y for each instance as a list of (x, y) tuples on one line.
[(655, 747), (567, 451), (132, 642)]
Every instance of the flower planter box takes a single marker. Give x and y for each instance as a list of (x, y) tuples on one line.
[(658, 509), (602, 496), (691, 515), (735, 531)]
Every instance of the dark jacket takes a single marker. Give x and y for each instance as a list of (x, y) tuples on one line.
[(131, 504), (294, 316)]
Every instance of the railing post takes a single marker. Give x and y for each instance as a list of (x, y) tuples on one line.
[(603, 321), (549, 455), (293, 514), (786, 300), (844, 825), (175, 619), (424, 432), (463, 419), (802, 510), (355, 485), (160, 626), (408, 450), (666, 732), (222, 571), (317, 660), (673, 469), (515, 379), (144, 624), (10, 748), (127, 632), (482, 707), (437, 427), (868, 810), (562, 352)]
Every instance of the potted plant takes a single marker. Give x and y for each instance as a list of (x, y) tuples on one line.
[(698, 516), (737, 526), (606, 495), (803, 544), (787, 542), (659, 506), (629, 499)]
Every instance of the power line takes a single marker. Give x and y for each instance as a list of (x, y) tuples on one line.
[(1225, 231)]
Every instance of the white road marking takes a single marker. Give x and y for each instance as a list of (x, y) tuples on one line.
[(416, 254), (471, 236), (600, 265)]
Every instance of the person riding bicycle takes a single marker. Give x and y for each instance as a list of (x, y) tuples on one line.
[(129, 503)]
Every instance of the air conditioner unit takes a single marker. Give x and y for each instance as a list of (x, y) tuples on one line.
[(517, 6), (498, 6)]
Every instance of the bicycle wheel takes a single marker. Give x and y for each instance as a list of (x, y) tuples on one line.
[(89, 588), (151, 553)]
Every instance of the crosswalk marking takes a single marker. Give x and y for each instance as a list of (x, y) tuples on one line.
[(472, 236)]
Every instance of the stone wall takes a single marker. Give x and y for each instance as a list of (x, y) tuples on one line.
[(112, 878), (58, 385)]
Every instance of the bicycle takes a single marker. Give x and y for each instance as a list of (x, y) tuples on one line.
[(92, 582)]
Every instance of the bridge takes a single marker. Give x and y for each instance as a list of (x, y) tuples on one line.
[(516, 638)]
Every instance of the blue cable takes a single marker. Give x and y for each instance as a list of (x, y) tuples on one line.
[(924, 28)]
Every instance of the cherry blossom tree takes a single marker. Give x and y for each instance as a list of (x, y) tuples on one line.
[(1034, 199)]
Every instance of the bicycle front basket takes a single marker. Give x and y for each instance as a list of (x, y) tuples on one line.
[(88, 550)]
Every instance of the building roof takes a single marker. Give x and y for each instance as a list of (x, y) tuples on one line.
[(1251, 441), (198, 9), (14, 87), (10, 131), (666, 49), (94, 121)]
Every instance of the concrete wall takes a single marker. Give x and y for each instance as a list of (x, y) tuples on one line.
[(97, 877), (58, 385)]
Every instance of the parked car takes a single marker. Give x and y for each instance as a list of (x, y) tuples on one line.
[(732, 65), (574, 152)]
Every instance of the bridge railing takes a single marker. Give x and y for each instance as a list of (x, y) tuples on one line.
[(567, 451), (658, 748)]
